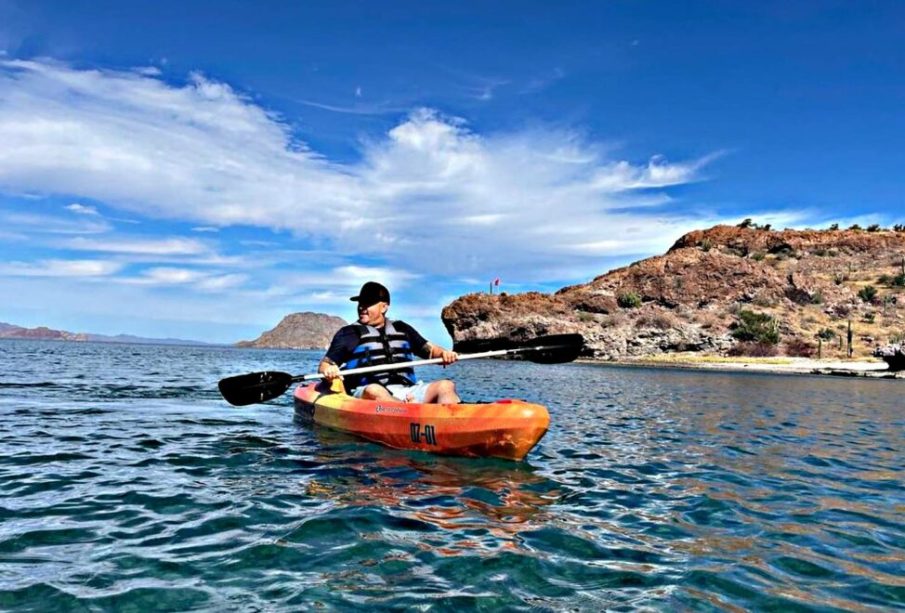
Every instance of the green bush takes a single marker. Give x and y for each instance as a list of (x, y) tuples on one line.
[(756, 328), (629, 300), (898, 281), (867, 293), (874, 227)]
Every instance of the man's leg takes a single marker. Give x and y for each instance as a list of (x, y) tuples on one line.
[(375, 391), (442, 391)]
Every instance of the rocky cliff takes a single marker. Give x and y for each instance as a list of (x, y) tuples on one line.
[(742, 290), (299, 331)]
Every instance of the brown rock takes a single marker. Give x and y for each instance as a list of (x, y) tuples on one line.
[(807, 280), (299, 331)]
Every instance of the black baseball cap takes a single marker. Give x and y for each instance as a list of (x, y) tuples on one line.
[(372, 293)]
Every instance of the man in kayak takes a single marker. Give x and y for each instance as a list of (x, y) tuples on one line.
[(376, 340)]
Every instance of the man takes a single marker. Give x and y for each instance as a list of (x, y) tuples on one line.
[(375, 340)]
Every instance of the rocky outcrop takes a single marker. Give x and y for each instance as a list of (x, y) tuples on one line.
[(894, 355), (812, 283), (299, 331)]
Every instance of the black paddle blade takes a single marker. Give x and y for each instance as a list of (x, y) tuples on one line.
[(550, 349), (254, 387)]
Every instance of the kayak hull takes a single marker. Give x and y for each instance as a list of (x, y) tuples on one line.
[(506, 428)]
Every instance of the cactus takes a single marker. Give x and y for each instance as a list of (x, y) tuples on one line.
[(849, 337)]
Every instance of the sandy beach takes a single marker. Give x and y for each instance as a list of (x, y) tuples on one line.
[(777, 365)]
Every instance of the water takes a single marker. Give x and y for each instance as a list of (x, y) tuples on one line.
[(128, 484)]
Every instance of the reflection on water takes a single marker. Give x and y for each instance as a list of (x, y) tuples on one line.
[(126, 482), (458, 495)]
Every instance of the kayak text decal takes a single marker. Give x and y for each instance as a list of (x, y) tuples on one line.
[(428, 434), (383, 409)]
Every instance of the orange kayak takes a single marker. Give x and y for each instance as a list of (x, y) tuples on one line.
[(502, 429)]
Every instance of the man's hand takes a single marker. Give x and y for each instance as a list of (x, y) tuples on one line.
[(330, 371), (448, 357)]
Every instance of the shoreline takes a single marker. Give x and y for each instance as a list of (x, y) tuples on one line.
[(872, 369)]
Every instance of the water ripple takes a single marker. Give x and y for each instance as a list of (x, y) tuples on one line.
[(127, 483)]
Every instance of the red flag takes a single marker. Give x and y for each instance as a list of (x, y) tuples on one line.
[(496, 282)]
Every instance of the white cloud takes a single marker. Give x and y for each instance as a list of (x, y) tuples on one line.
[(170, 276), (60, 268), (431, 197), (82, 209), (140, 246), (37, 223)]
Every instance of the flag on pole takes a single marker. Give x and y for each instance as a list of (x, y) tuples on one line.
[(496, 282)]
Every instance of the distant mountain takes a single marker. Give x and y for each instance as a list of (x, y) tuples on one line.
[(45, 333), (299, 331)]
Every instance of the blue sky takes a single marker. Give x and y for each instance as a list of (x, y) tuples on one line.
[(200, 169)]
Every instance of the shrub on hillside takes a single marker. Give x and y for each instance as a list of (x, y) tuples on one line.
[(826, 334), (629, 300), (800, 348), (756, 327), (659, 320), (752, 349), (867, 293)]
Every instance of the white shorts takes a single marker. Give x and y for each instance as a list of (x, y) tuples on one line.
[(400, 392)]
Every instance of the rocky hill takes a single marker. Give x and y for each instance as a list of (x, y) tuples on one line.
[(299, 331), (736, 290), (39, 333), (48, 334)]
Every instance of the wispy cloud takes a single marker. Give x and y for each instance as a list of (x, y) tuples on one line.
[(142, 246), (429, 197), (81, 209), (60, 268), (359, 108), (51, 224), (543, 80)]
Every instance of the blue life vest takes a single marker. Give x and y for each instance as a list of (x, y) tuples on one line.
[(376, 347)]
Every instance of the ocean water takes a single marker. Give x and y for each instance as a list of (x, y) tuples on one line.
[(128, 484)]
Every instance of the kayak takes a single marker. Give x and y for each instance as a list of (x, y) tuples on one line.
[(505, 428)]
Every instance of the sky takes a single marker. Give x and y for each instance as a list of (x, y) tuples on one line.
[(198, 170)]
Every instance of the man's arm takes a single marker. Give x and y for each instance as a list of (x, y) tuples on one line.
[(341, 347), (436, 351), (424, 348)]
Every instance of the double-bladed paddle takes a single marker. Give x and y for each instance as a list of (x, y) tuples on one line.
[(242, 390)]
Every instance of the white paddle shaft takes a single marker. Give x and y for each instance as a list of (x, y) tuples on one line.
[(399, 365)]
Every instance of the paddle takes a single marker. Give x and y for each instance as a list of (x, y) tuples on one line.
[(242, 390)]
